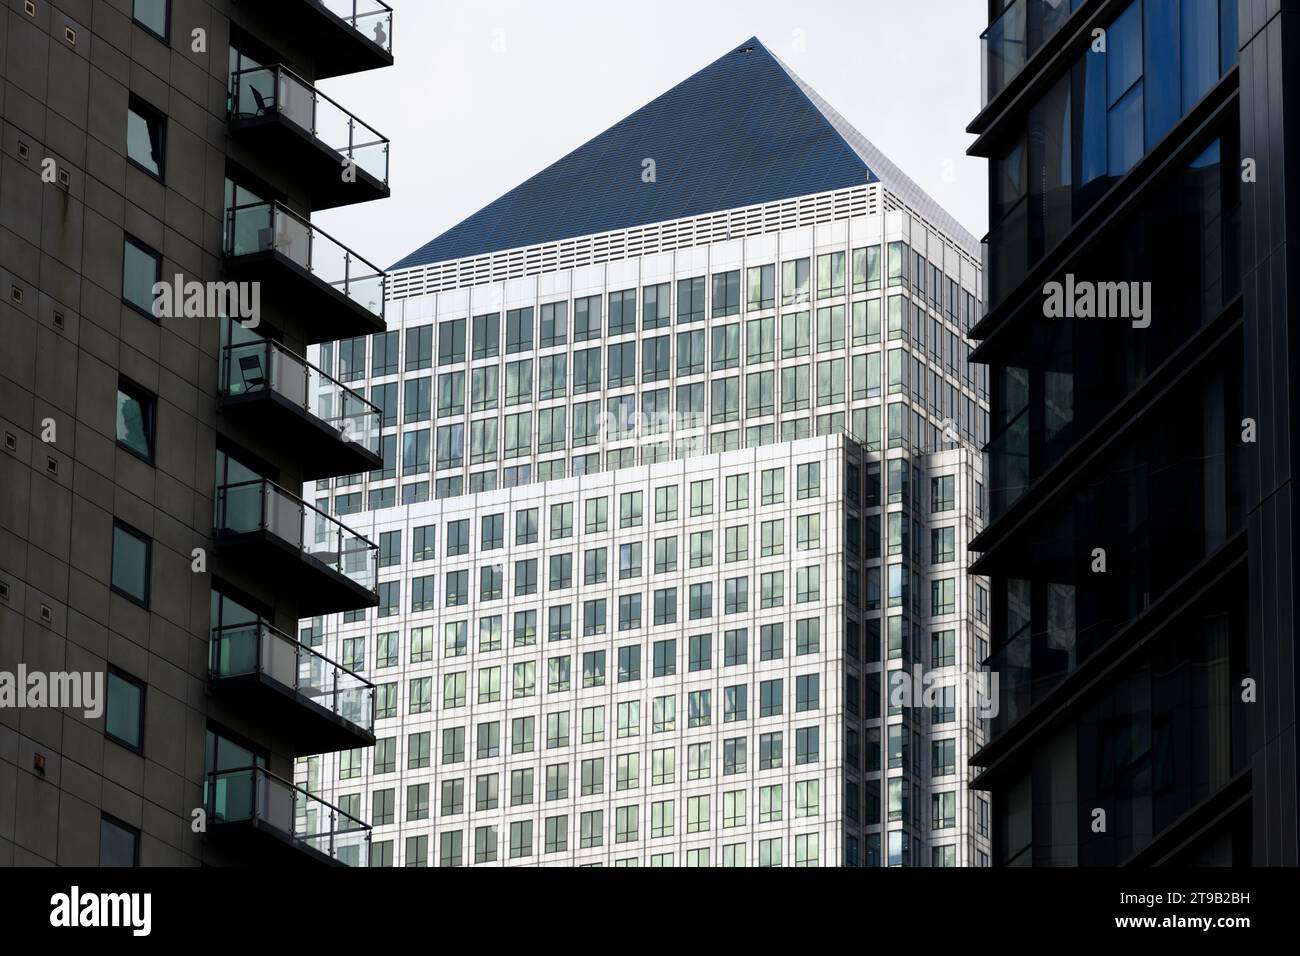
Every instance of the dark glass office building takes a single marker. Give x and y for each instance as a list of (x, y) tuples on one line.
[(1140, 459), (160, 282)]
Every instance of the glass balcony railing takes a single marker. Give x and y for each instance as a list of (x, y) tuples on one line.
[(263, 506), (370, 18), (250, 368), (1003, 50), (263, 90), (254, 795), (1005, 253), (270, 227), (240, 650), (1017, 34)]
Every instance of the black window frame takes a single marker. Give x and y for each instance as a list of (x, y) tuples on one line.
[(150, 114), (134, 832), (142, 246), (148, 564), (166, 35), (144, 702), (149, 404)]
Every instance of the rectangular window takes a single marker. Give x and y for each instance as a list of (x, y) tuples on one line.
[(690, 353), (830, 275), (795, 334), (690, 300), (554, 324), (794, 281), (119, 844), (146, 137), (485, 336), (451, 343), (519, 330), (655, 364), (519, 382), (131, 567), (154, 16), (419, 348), (621, 364), (124, 710), (136, 412), (141, 271), (726, 346), (762, 287), (622, 312), (587, 318), (726, 293), (485, 388), (656, 307), (760, 340)]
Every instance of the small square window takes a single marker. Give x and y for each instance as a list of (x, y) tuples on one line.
[(145, 137), (124, 711), (135, 419), (141, 271), (130, 573)]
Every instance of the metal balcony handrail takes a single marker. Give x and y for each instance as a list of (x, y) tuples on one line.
[(284, 210), (377, 9), (296, 499), (350, 680), (340, 422), (283, 805), (283, 241), (279, 70)]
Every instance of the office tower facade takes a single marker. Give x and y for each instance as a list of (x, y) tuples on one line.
[(162, 282), (1139, 456), (678, 479)]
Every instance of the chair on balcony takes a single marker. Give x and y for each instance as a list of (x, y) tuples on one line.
[(262, 107), (250, 370)]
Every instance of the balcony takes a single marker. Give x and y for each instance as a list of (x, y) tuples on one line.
[(1005, 255), (280, 538), (343, 36), (316, 705), (333, 429), (1016, 35), (284, 116), (268, 821), (304, 270)]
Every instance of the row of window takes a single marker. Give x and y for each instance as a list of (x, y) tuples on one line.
[(769, 800), (760, 336), (663, 760), (735, 697), (699, 648), (735, 752), (701, 603), (548, 326), (650, 412), (514, 439), (768, 852)]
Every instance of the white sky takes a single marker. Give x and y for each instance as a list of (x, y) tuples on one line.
[(485, 93)]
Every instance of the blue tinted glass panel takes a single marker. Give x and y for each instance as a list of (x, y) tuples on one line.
[(1200, 35), (1161, 75), (1092, 108), (1123, 53), (1227, 35), (1124, 132)]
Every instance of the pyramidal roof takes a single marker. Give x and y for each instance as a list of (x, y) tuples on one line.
[(742, 131)]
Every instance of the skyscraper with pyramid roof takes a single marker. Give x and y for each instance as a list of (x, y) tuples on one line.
[(679, 473)]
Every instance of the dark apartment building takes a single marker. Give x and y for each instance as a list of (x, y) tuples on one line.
[(160, 282), (1141, 460)]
